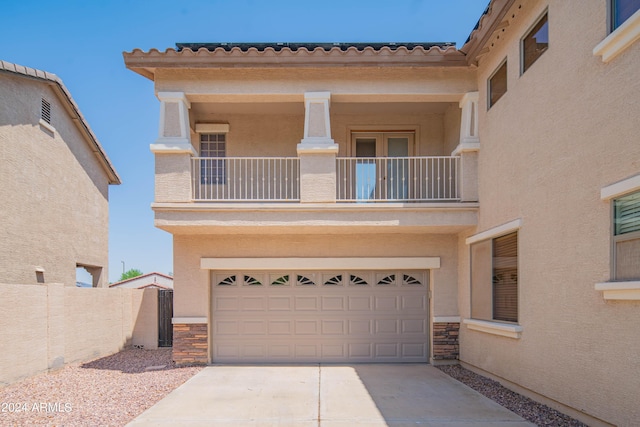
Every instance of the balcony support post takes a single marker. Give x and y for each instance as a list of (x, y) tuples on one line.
[(173, 149), (317, 151), (468, 148)]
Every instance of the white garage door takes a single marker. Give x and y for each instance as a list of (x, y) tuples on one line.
[(374, 316)]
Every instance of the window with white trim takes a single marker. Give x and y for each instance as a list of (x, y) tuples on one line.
[(621, 10), (214, 147), (626, 237), (494, 279)]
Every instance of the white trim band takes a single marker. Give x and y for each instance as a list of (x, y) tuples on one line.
[(188, 320), (446, 319), (173, 148), (212, 127), (495, 328), (495, 231), (386, 263), (620, 188), (629, 291)]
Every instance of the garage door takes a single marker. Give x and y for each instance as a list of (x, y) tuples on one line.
[(352, 316)]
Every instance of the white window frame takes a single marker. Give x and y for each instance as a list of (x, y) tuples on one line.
[(619, 290), (496, 327)]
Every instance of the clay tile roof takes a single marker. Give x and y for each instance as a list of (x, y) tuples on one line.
[(65, 95), (252, 55)]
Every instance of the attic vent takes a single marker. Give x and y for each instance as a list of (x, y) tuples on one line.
[(46, 111)]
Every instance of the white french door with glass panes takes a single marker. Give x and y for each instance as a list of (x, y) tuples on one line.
[(382, 167)]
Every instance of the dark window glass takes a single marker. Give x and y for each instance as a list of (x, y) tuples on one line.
[(622, 10), (212, 171), (505, 278), (498, 84), (535, 43)]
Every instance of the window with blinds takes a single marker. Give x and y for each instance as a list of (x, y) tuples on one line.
[(494, 279), (626, 237), (505, 278)]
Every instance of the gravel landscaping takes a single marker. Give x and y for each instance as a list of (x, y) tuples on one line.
[(529, 409), (110, 391), (113, 390)]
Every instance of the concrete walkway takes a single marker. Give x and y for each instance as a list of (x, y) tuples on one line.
[(326, 395)]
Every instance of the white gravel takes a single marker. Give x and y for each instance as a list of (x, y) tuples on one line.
[(529, 409), (110, 391), (113, 390)]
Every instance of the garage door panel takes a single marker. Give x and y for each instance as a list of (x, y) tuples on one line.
[(350, 318), (280, 327), (306, 303), (280, 303), (306, 327), (253, 303), (226, 327), (360, 303), (333, 303), (386, 326), (333, 327), (254, 327)]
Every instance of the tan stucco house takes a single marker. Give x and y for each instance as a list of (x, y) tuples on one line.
[(55, 179), (414, 202)]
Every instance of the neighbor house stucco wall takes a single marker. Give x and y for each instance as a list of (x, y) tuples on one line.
[(191, 282), (54, 213), (565, 128)]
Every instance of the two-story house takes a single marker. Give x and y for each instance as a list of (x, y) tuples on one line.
[(374, 202), (55, 175)]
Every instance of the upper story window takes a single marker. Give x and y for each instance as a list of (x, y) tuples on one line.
[(535, 43), (214, 145), (621, 10), (626, 237), (497, 84)]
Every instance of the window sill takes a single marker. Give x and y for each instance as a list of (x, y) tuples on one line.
[(629, 291), (47, 126), (620, 39), (495, 328)]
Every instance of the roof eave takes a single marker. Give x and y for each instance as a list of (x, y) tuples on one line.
[(488, 23)]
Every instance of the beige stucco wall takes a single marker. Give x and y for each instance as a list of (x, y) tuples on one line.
[(433, 83), (566, 128), (274, 132), (191, 283), (54, 192), (47, 326)]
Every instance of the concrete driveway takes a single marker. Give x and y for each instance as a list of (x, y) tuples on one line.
[(326, 395)]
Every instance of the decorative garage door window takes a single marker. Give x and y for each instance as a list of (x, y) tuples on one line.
[(355, 279)]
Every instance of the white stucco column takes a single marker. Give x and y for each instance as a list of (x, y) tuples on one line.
[(468, 147), (317, 151), (173, 149)]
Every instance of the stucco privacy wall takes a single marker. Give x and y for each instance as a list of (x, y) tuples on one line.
[(191, 283), (54, 192), (566, 128), (47, 326)]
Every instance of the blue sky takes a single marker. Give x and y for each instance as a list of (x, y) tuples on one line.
[(82, 42)]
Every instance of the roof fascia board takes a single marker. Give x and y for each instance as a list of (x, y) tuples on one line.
[(487, 25)]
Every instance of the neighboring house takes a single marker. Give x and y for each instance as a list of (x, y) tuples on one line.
[(412, 202), (149, 280), (55, 180)]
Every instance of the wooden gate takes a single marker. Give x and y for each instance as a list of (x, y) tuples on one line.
[(165, 314)]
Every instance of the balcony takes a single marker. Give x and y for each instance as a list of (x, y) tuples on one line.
[(358, 179)]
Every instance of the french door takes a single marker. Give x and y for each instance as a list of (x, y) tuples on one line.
[(382, 165)]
